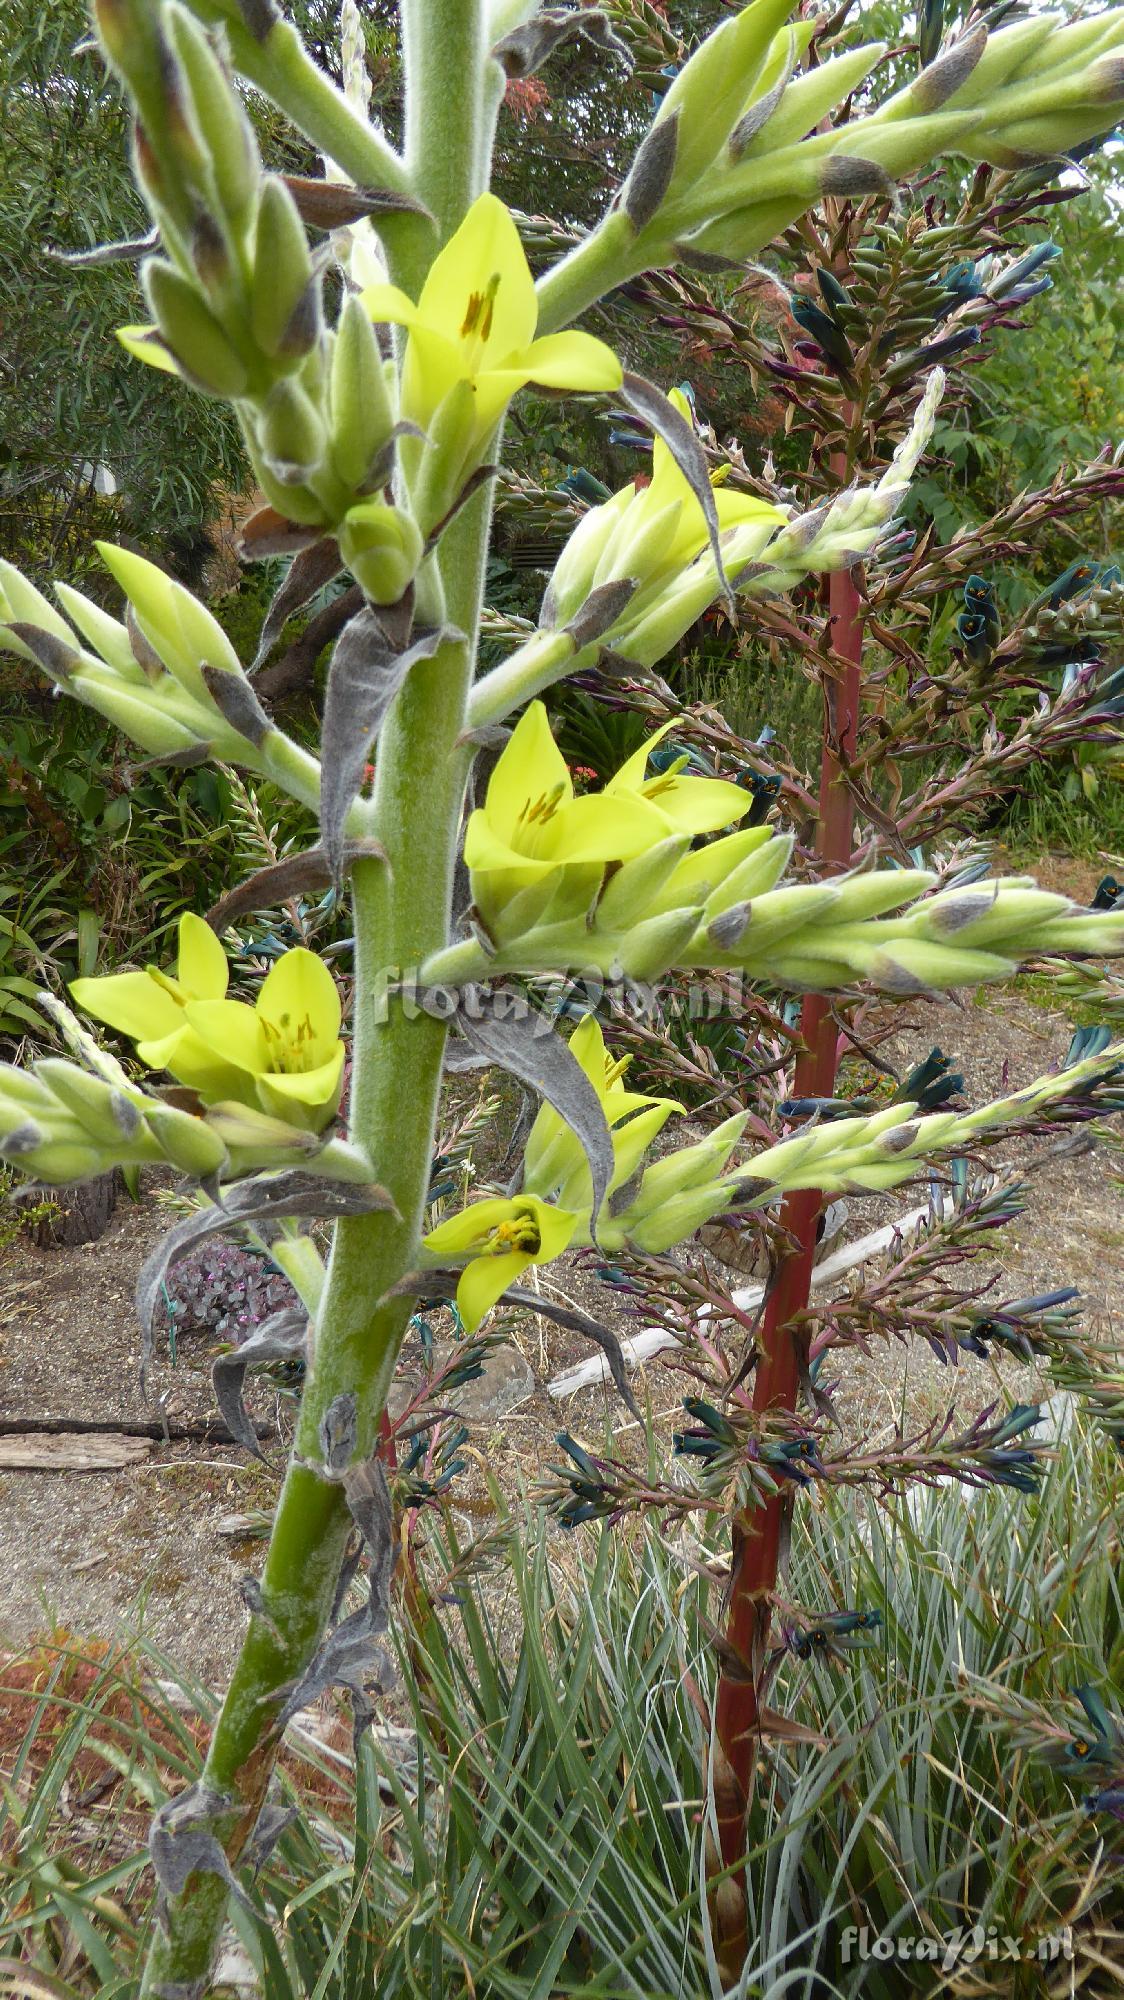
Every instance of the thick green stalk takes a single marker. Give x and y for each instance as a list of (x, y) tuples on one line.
[(401, 911), (544, 659), (443, 44), (607, 258)]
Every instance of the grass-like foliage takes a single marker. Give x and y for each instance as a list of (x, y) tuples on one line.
[(534, 1825)]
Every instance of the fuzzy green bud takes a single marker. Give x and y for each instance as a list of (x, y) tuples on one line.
[(382, 548), (284, 305), (192, 332), (108, 636), (291, 433), (634, 887), (189, 1143), (715, 87), (361, 413), (109, 1115), (185, 635), (224, 128), (22, 604)]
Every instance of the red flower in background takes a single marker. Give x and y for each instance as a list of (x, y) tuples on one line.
[(525, 97)]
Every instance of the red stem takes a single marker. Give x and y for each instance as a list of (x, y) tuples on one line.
[(756, 1543)]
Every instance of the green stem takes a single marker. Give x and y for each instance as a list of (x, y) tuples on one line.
[(445, 52), (282, 68), (537, 665), (607, 258), (401, 909)]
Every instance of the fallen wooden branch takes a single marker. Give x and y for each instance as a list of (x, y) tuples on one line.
[(213, 1431)]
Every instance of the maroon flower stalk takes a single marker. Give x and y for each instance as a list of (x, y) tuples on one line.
[(757, 1536)]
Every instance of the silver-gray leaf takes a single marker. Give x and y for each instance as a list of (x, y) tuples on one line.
[(237, 704), (651, 171), (525, 50), (952, 68), (579, 1322), (350, 1655), (601, 610), (129, 250), (308, 573), (365, 674), (58, 660), (282, 1337), (182, 1842), (294, 1194), (293, 875)]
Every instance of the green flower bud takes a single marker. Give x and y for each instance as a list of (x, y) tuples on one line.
[(224, 128), (192, 332), (59, 1161), (20, 1093), (806, 101), (22, 604), (294, 500), (291, 433), (989, 912), (284, 312), (185, 635), (648, 948), (755, 876), (872, 895), (110, 1117), (909, 965), (712, 90), (768, 919), (108, 636), (189, 1143), (552, 900), (382, 548), (702, 876), (141, 716), (362, 417), (632, 892)]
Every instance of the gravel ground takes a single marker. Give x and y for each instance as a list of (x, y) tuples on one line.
[(98, 1551)]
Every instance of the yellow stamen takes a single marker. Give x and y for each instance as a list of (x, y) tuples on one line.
[(521, 1233), (543, 808), (477, 322)]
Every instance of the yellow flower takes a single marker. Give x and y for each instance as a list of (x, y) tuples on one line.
[(150, 1005), (500, 1236), (475, 323), (532, 834), (286, 1047), (657, 535), (554, 1161), (283, 1055)]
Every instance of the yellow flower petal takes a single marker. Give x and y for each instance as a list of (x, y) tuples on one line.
[(485, 848), (572, 361), (193, 1061), (466, 1231), (232, 1031), (132, 1002), (201, 966), (145, 344), (697, 805), (631, 775), (479, 288), (604, 827), (299, 1003), (484, 1281), (388, 306), (530, 772), (309, 1098)]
